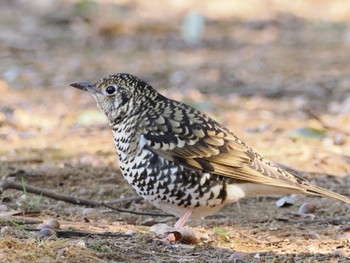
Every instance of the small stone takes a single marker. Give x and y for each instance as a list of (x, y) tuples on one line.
[(307, 208), (285, 201), (7, 231), (54, 223), (47, 232), (23, 198), (238, 255), (339, 139), (340, 253), (131, 232), (42, 226)]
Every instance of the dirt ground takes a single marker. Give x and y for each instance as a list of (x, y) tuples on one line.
[(275, 72)]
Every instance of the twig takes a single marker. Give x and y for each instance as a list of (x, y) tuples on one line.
[(80, 233), (6, 184), (122, 210), (20, 220), (26, 160), (121, 200), (21, 173)]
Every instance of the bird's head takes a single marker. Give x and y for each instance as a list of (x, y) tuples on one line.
[(118, 95)]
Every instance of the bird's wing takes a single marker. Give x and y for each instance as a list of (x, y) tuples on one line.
[(192, 139)]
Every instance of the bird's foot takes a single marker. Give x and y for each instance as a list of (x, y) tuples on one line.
[(177, 233), (166, 233), (171, 235), (171, 238)]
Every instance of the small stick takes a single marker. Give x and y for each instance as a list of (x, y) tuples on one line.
[(19, 220), (26, 160), (80, 233), (126, 199), (6, 184)]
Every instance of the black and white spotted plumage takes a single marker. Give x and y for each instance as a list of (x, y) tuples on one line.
[(180, 159)]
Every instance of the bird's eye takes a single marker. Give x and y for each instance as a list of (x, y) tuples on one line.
[(110, 90)]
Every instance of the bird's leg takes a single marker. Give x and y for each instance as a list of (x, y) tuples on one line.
[(178, 225), (182, 220)]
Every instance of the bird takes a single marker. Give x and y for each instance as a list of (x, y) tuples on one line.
[(181, 160)]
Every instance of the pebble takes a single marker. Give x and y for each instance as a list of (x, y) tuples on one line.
[(47, 232), (54, 223), (23, 198), (307, 208), (339, 139)]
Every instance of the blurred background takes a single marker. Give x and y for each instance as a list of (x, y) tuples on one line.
[(276, 72), (257, 65), (253, 47)]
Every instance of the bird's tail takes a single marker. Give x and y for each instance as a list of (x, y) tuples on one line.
[(316, 190)]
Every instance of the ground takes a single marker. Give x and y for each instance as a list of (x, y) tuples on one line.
[(276, 74)]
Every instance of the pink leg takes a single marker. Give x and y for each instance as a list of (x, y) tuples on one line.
[(182, 220), (179, 224)]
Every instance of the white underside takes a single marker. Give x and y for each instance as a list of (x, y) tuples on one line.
[(234, 193)]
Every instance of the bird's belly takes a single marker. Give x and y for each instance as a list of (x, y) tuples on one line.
[(174, 188)]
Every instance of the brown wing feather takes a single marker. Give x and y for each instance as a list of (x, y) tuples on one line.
[(197, 141)]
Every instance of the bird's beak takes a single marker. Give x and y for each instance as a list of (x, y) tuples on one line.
[(86, 86)]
